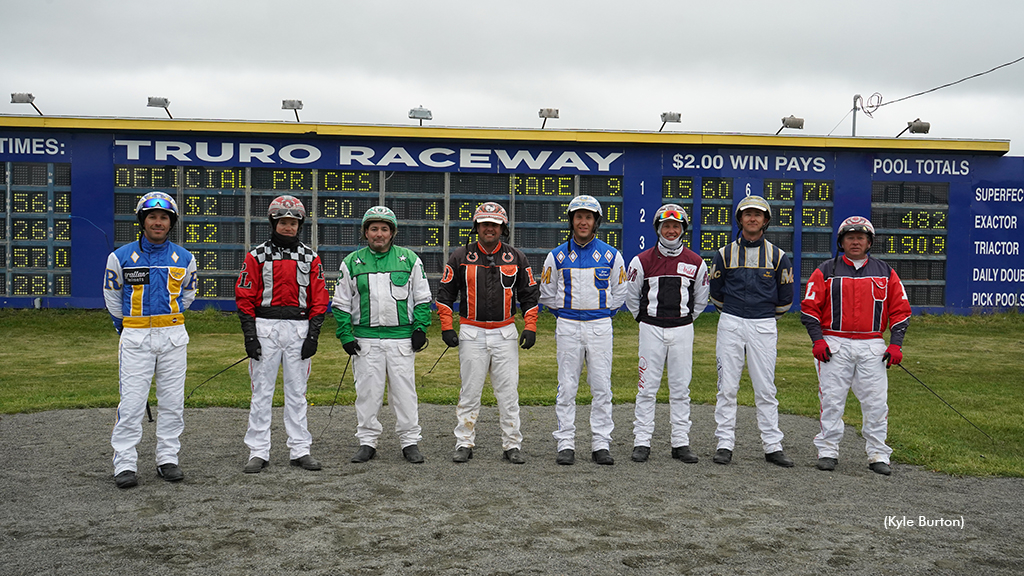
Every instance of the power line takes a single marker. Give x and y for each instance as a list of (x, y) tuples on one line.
[(952, 83)]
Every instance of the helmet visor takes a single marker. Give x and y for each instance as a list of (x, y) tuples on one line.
[(672, 215), (153, 203)]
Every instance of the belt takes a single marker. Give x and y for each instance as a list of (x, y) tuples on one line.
[(162, 321)]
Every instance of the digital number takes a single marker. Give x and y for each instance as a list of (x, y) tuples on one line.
[(201, 206), (914, 244), (707, 162), (62, 257), (200, 233), (544, 185), (716, 216), (62, 285), (207, 287), (206, 259), (432, 211), (783, 216), (28, 229), (466, 210), (710, 241), (28, 202), (815, 217), (784, 190), (612, 237), (335, 208), (62, 202), (613, 213), (924, 219), (681, 188), (615, 186), (716, 188), (462, 236), (22, 257), (62, 230), (333, 180), (818, 191), (433, 237), (28, 284)]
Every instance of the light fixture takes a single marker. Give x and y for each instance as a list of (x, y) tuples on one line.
[(791, 122), (546, 113), (916, 127), (294, 105), (24, 98), (160, 102), (420, 113), (667, 117)]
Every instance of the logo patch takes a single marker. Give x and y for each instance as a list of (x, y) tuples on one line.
[(174, 256), (560, 257), (686, 269), (507, 256), (597, 257), (608, 255), (135, 256), (572, 256), (136, 276)]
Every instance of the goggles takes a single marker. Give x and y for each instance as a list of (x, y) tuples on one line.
[(672, 215), (154, 203)]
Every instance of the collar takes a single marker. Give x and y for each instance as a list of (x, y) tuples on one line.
[(573, 242), (750, 244), (148, 246), (857, 264), (482, 250)]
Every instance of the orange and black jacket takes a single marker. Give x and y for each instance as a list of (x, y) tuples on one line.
[(487, 287)]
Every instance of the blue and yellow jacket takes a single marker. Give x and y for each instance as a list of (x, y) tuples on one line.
[(149, 285)]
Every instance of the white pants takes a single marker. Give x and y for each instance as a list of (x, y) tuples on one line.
[(144, 353), (856, 365), (580, 343), (281, 343), (658, 345), (754, 341), (393, 361), (495, 351)]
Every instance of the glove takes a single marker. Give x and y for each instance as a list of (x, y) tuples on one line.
[(252, 348), (419, 340), (351, 348), (527, 339), (118, 324), (893, 355), (822, 351), (451, 338), (308, 348)]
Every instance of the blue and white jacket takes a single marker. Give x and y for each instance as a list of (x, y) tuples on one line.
[(149, 285), (583, 282)]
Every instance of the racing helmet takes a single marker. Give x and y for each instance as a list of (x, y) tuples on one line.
[(491, 212), (156, 200), (754, 201), (855, 224), (585, 202), (380, 214), (286, 207), (673, 212)]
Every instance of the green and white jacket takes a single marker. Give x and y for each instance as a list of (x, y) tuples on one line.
[(381, 295)]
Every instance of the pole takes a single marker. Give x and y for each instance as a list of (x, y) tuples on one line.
[(331, 413), (215, 375), (855, 98), (946, 403)]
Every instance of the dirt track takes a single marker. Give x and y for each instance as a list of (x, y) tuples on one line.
[(61, 514)]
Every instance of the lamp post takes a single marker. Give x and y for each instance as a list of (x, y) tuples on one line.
[(667, 117), (293, 105), (420, 113), (546, 113)]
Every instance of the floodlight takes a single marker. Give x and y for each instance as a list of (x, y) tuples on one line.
[(24, 98), (294, 105), (791, 122), (420, 113), (160, 102), (916, 127), (667, 117), (546, 113)]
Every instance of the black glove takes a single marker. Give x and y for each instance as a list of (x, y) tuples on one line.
[(451, 338), (308, 348), (527, 339), (252, 348), (351, 348), (419, 340)]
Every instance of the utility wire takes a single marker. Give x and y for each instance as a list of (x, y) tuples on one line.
[(964, 79)]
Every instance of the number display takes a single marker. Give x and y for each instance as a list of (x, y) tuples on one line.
[(911, 220)]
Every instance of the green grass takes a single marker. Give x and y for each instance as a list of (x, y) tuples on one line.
[(58, 359)]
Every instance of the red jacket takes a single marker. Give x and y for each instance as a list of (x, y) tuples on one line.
[(282, 283), (855, 303)]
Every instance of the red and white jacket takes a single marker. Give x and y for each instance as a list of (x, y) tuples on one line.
[(282, 283), (858, 303)]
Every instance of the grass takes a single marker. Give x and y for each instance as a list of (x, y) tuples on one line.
[(59, 359)]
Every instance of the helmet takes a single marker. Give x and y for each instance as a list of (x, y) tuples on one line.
[(286, 207), (672, 212), (156, 201), (380, 214), (855, 224), (491, 212), (585, 202), (754, 201)]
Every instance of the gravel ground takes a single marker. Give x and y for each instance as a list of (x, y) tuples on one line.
[(61, 514)]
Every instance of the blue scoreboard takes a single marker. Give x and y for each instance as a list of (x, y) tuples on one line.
[(946, 212)]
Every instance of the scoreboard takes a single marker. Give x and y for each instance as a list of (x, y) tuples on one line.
[(946, 213)]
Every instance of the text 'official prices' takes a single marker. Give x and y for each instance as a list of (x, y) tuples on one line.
[(899, 522)]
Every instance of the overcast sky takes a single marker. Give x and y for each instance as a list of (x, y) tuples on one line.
[(735, 67)]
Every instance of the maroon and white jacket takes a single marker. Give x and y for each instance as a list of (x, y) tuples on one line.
[(665, 290)]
